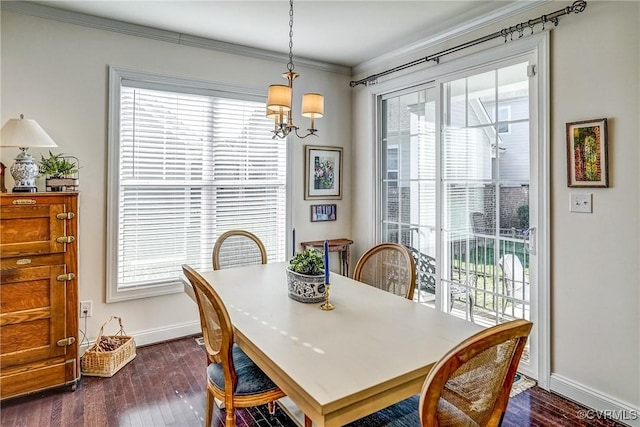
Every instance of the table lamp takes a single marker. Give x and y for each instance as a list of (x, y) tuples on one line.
[(23, 134)]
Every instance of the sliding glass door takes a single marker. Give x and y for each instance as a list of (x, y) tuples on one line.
[(456, 184)]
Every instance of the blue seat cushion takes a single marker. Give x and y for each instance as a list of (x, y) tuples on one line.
[(251, 379)]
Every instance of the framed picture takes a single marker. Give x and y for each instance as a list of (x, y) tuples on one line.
[(323, 172), (323, 213), (587, 154)]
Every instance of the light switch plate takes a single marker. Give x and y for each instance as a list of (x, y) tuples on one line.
[(580, 202)]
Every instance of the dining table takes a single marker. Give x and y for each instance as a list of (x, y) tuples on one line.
[(372, 350)]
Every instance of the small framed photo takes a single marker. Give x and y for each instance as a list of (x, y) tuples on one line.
[(323, 172), (587, 164), (323, 213)]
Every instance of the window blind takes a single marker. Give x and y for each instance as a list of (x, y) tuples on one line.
[(191, 167)]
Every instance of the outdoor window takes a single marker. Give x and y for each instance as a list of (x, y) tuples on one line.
[(187, 163), (392, 166), (504, 115)]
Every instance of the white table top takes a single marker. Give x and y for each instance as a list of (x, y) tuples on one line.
[(372, 350)]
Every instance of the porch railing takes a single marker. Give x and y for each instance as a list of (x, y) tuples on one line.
[(497, 278)]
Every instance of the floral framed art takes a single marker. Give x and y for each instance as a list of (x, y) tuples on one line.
[(587, 164), (323, 172)]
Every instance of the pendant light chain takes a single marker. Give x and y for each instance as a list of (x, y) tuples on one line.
[(290, 65)]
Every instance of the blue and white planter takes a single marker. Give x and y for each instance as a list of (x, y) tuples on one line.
[(303, 288)]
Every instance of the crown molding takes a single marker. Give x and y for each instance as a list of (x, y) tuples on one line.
[(452, 32), (76, 18)]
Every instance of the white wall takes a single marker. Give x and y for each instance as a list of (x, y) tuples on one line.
[(57, 74), (595, 280)]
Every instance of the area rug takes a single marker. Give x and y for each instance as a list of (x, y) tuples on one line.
[(405, 413), (520, 384)]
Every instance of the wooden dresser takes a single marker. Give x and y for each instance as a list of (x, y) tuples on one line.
[(38, 292)]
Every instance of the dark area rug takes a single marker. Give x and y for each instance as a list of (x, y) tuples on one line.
[(405, 413), (402, 414)]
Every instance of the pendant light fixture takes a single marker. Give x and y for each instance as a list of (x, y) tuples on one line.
[(279, 99)]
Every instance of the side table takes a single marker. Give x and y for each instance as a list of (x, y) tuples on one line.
[(335, 245)]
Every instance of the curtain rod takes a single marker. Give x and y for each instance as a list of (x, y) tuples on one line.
[(577, 7)]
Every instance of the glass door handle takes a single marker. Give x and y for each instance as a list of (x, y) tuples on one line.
[(530, 240)]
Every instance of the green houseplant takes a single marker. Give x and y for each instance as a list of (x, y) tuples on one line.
[(305, 277), (57, 166), (308, 262), (58, 170)]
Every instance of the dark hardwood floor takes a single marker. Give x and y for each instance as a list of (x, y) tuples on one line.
[(164, 386)]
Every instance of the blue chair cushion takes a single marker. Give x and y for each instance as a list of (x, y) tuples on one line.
[(251, 379)]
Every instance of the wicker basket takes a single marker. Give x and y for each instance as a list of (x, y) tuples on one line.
[(99, 362)]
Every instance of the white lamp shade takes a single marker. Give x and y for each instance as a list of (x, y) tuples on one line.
[(312, 105), (279, 97), (24, 133)]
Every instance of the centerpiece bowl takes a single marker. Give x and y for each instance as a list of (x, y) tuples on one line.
[(305, 277)]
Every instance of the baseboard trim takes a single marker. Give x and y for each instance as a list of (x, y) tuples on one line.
[(602, 404), (152, 336)]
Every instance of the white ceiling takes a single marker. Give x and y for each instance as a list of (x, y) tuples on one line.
[(339, 32)]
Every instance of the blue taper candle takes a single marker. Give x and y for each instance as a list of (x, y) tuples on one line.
[(326, 261), (293, 245)]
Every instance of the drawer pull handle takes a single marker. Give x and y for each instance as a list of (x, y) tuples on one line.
[(23, 261), (66, 341), (65, 277), (65, 239), (66, 215), (23, 202)]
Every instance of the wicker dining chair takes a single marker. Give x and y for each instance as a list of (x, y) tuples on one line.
[(236, 248), (470, 385), (388, 266), (232, 377)]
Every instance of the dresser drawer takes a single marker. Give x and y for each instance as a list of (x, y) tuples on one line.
[(36, 229), (31, 261)]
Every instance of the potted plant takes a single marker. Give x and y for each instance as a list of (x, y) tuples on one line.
[(305, 277), (58, 170)]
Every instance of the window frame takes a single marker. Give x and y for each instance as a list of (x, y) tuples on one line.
[(114, 293)]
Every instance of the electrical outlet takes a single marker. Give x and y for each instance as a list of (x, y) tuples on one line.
[(85, 308)]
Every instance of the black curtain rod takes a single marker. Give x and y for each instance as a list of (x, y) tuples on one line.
[(577, 7)]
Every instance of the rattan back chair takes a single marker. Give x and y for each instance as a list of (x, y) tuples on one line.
[(470, 385), (388, 266), (232, 377), (236, 248)]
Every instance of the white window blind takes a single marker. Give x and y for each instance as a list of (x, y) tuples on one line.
[(190, 167)]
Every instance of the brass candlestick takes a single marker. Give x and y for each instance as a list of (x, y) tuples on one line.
[(326, 305)]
